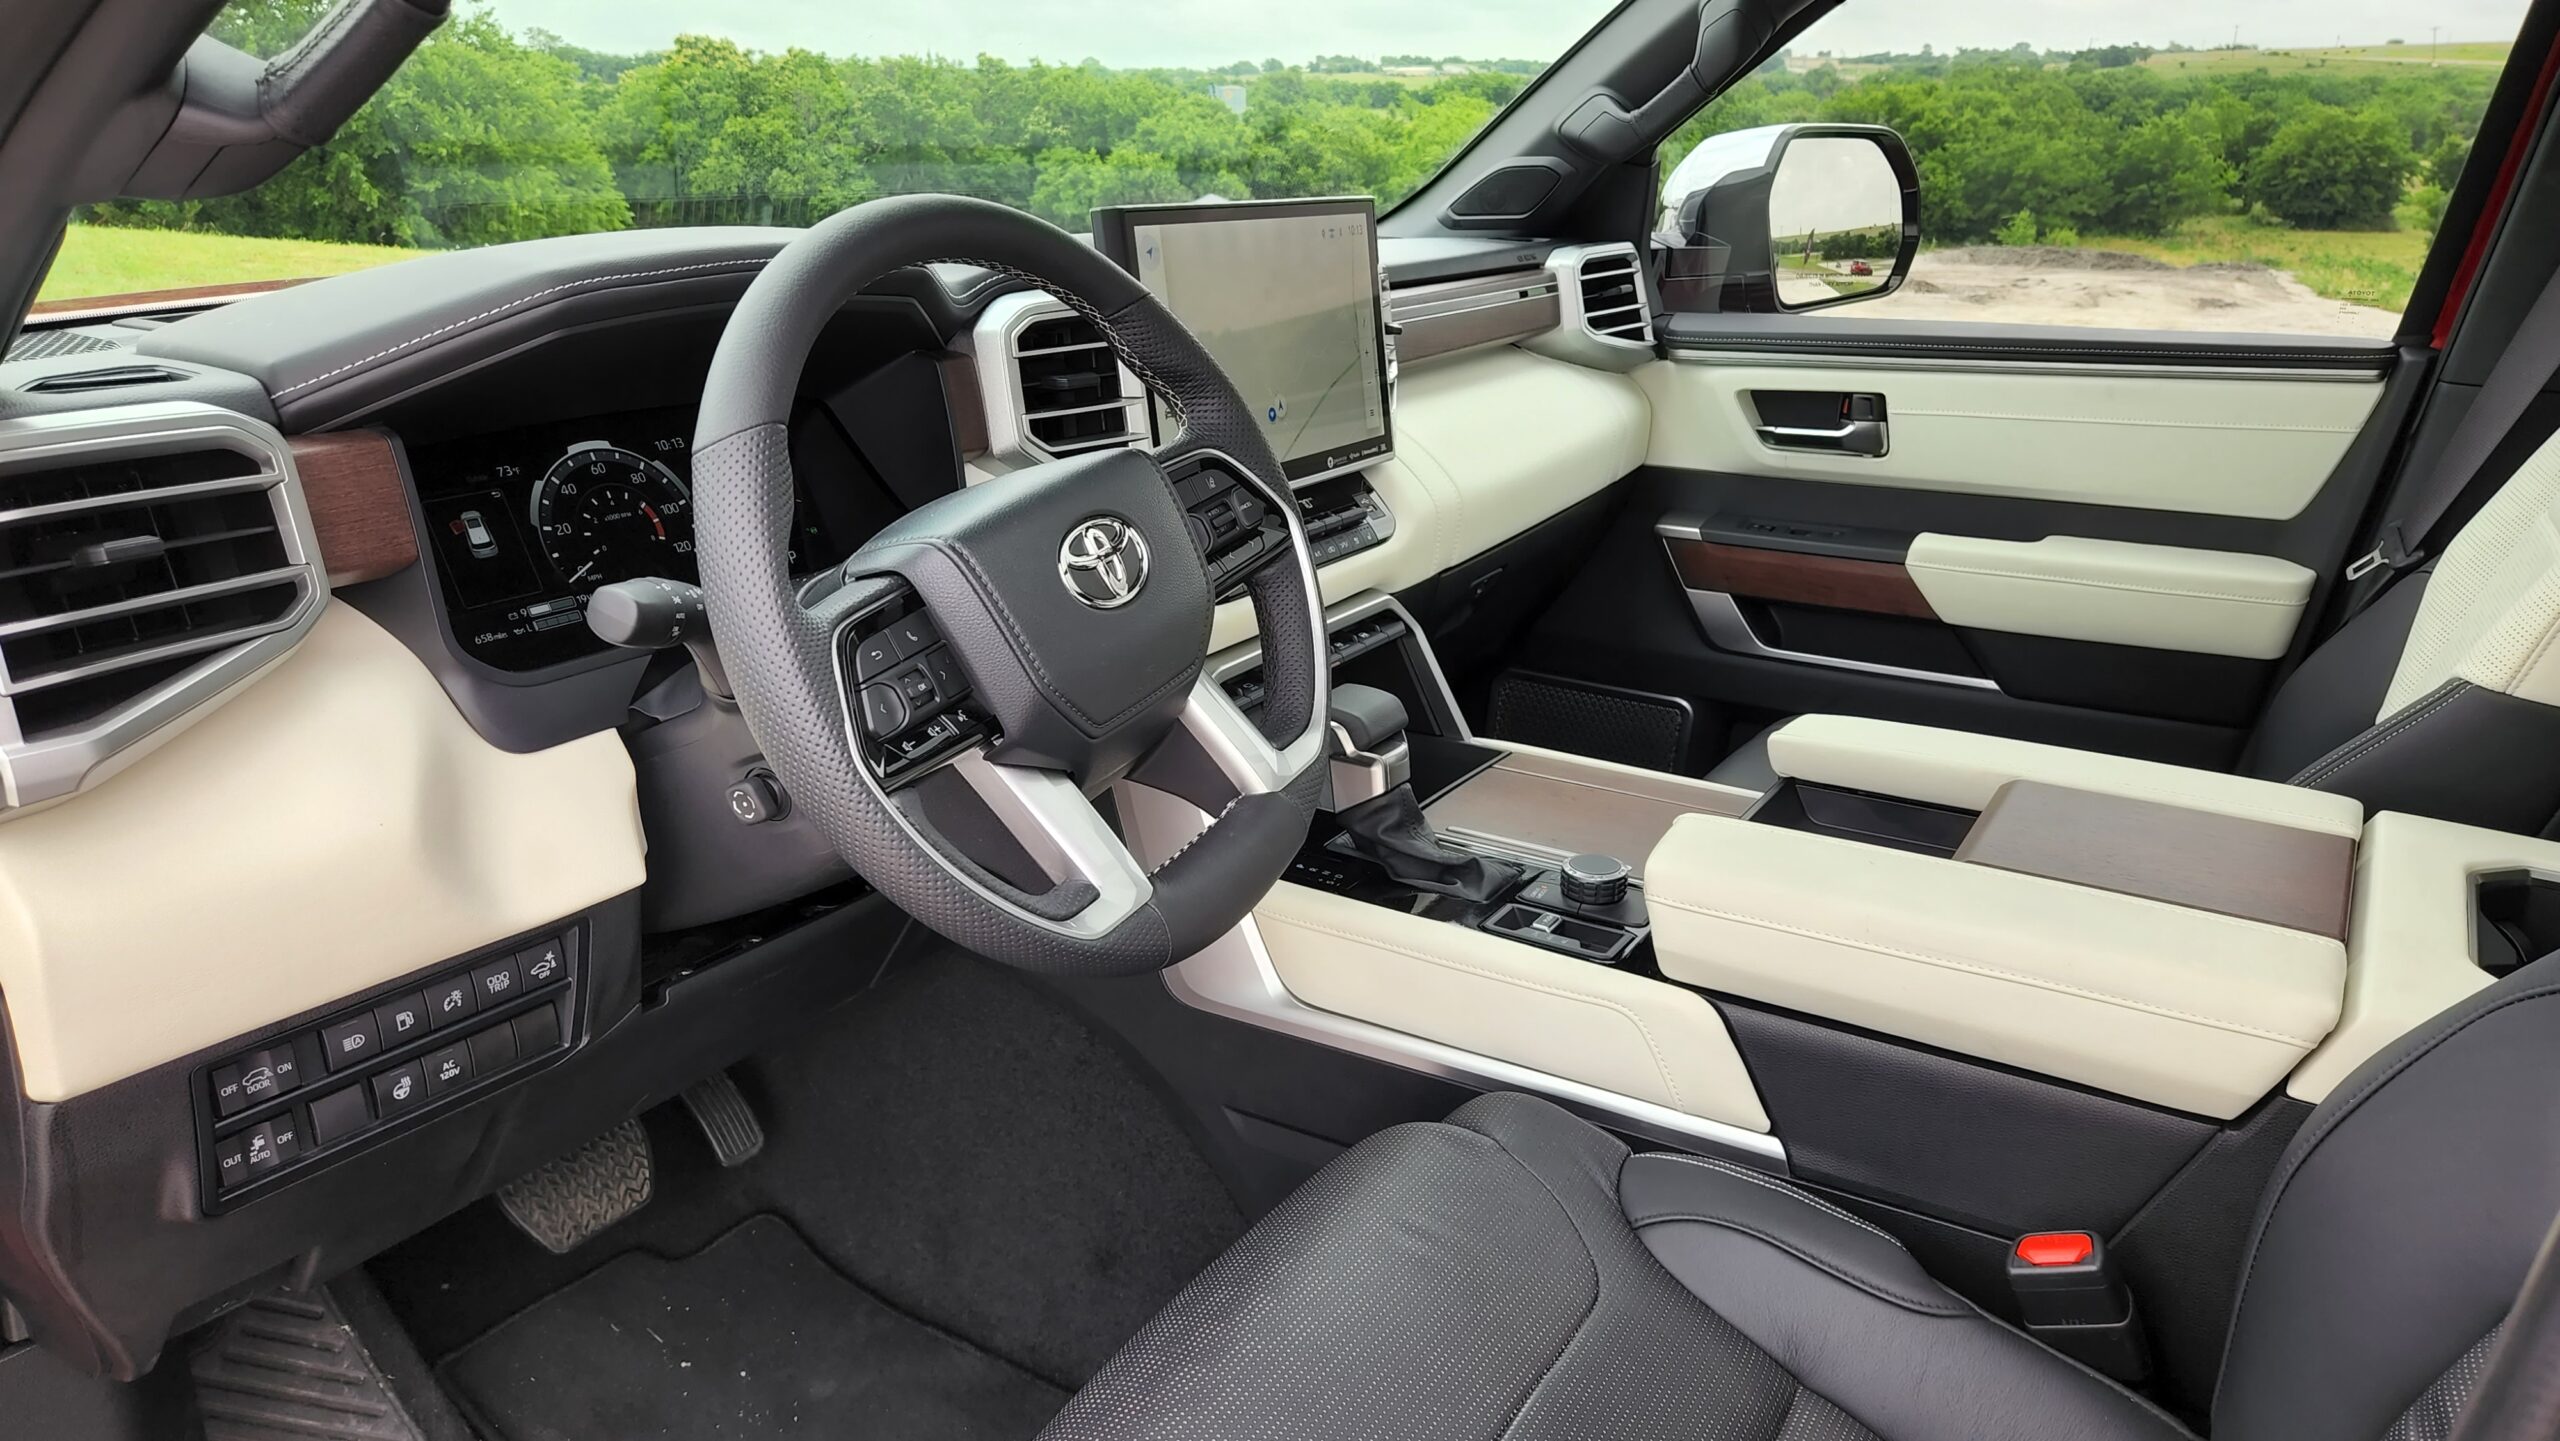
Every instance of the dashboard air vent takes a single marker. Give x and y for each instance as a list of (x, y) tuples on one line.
[(150, 557), (1613, 306), (114, 377), (1070, 386)]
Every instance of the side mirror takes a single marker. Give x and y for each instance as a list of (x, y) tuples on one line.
[(1789, 217)]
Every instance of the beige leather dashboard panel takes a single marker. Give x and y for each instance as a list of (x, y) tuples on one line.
[(1963, 769), (2167, 597), (2207, 444), (1480, 993), (2163, 1003), (337, 825), (1488, 444)]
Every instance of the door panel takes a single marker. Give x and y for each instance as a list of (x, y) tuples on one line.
[(2258, 445), (2166, 597)]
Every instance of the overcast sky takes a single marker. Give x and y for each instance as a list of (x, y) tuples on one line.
[(1213, 32)]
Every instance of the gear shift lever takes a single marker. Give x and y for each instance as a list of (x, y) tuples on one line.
[(1375, 804)]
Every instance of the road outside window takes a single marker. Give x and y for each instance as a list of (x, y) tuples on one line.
[(2150, 165)]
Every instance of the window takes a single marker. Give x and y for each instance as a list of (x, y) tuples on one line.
[(2110, 166), (526, 118)]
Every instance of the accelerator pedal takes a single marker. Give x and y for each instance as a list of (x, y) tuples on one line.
[(727, 1121), (289, 1368), (564, 1203)]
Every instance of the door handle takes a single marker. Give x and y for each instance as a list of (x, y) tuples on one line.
[(1849, 437)]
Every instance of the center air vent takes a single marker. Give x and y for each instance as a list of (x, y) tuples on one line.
[(1051, 385), (150, 557)]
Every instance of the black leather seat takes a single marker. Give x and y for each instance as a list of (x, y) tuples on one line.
[(1514, 1272)]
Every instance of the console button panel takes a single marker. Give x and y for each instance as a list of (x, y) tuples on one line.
[(292, 1102)]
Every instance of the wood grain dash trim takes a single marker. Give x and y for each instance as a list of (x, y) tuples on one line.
[(968, 406), (351, 483), (1838, 582)]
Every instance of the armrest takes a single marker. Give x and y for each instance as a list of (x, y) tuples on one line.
[(1964, 770), (2165, 1003)]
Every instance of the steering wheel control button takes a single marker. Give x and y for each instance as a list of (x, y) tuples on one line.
[(913, 636), (350, 1043), (398, 1090), (338, 1115), (398, 1022), (948, 683), (875, 656), (448, 1068), (1103, 561), (497, 983), (884, 711), (543, 964)]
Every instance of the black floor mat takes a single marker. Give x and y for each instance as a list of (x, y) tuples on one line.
[(753, 1336)]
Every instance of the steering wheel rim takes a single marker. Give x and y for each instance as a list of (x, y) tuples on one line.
[(1104, 913)]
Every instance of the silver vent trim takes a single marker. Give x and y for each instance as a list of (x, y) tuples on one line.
[(211, 664), (996, 346), (1607, 307)]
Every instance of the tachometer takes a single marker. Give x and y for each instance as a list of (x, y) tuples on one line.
[(605, 514)]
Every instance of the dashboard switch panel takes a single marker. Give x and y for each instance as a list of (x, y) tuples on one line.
[(385, 1057)]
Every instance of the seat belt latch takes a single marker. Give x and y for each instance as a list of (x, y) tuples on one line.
[(2070, 1298), (2390, 552)]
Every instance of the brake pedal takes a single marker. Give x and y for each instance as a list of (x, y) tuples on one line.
[(290, 1368), (727, 1121), (564, 1203)]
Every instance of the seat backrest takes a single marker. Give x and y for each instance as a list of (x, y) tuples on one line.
[(2399, 1226), (2467, 726)]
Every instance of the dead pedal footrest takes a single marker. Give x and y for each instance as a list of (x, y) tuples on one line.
[(564, 1203), (290, 1367)]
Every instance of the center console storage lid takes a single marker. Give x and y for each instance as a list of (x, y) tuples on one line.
[(2172, 1004), (1961, 769)]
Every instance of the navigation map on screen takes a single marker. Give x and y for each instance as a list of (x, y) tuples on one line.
[(1288, 305)]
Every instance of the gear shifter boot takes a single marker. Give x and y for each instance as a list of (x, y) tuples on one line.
[(1390, 830)]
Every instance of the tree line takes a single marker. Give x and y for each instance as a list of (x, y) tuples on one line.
[(489, 135), (2016, 148)]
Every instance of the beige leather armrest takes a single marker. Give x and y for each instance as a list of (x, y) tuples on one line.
[(1514, 1002), (2410, 947), (2180, 1007), (1961, 769), (2168, 597)]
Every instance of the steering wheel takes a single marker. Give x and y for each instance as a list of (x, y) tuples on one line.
[(946, 703)]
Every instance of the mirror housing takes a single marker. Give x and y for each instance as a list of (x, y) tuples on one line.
[(1728, 200)]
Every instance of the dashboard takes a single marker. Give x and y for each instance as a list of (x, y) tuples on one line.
[(527, 523)]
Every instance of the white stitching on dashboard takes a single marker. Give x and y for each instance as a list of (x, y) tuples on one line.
[(515, 304)]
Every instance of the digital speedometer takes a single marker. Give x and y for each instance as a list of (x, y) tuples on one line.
[(604, 514)]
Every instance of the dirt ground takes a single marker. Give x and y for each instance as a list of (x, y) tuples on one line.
[(2043, 285)]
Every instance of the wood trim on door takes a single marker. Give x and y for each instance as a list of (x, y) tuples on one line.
[(1838, 582)]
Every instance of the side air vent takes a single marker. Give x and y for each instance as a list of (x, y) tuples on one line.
[(1613, 306), (151, 557), (1050, 384), (1607, 322)]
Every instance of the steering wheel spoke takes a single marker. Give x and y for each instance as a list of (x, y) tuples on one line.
[(1060, 831)]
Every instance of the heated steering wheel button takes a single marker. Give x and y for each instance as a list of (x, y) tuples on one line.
[(884, 711)]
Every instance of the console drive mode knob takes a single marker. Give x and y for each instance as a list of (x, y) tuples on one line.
[(1595, 880)]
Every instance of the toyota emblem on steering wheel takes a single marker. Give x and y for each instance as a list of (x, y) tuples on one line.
[(1103, 561)]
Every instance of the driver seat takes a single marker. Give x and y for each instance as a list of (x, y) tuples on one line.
[(1514, 1272)]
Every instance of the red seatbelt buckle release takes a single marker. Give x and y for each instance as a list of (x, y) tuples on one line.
[(2070, 1298)]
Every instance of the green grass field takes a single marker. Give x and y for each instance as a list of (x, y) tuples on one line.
[(105, 260), (2354, 58), (2366, 267)]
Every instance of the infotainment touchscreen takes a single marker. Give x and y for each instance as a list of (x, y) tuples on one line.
[(1285, 296)]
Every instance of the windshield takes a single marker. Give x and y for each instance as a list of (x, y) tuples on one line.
[(528, 118)]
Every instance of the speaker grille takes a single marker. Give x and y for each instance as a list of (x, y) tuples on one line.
[(1512, 190)]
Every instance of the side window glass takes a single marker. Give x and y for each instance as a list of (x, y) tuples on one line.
[(2200, 187)]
